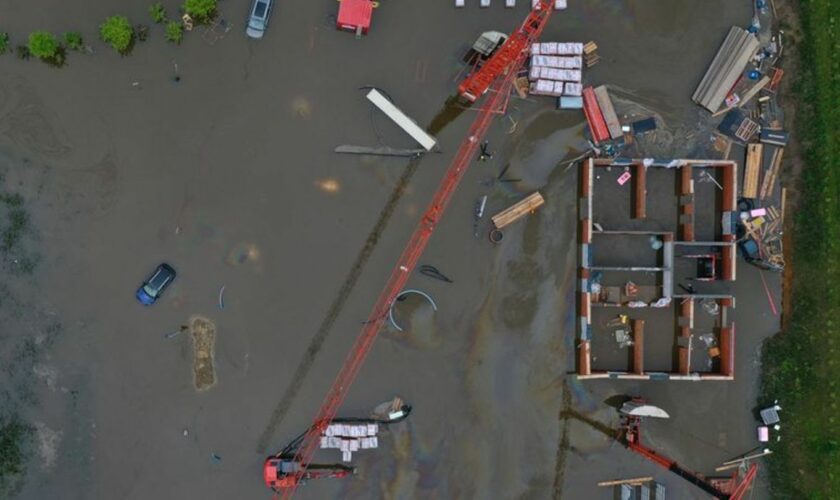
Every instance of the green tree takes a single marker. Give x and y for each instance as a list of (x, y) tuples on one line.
[(174, 31), (43, 45), (4, 42), (158, 12), (200, 10), (73, 40), (117, 31)]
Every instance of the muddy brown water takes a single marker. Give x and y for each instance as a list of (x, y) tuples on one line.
[(222, 175)]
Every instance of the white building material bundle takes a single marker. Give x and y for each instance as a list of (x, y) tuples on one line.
[(558, 4), (545, 87), (729, 64), (561, 62), (557, 49), (573, 89), (401, 119), (558, 75)]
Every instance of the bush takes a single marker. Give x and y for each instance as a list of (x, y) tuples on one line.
[(43, 45), (73, 40), (117, 31), (174, 31), (200, 10), (22, 51), (4, 42), (158, 13)]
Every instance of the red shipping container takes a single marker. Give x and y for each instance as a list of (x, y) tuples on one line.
[(594, 116)]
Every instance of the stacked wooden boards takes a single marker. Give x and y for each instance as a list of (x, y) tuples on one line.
[(728, 65), (520, 209), (752, 169)]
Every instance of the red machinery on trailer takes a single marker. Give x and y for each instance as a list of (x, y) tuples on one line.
[(495, 75), (733, 488)]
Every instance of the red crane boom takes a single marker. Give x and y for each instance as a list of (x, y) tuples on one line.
[(476, 84), (498, 72)]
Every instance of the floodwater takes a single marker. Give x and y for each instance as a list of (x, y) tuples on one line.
[(229, 176)]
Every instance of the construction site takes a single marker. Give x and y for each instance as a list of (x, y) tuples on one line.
[(513, 257)]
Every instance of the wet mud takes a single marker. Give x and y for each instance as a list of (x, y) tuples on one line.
[(229, 175)]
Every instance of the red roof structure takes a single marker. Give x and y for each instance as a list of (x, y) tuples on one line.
[(354, 15)]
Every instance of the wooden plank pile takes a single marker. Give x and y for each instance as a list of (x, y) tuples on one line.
[(726, 68), (752, 169), (518, 210)]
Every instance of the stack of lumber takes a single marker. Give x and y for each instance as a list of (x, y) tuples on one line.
[(518, 210), (752, 169), (726, 68)]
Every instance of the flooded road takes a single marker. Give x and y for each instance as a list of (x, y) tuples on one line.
[(229, 176)]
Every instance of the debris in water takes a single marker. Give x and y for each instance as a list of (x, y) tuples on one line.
[(480, 204), (400, 297), (215, 458), (177, 332), (204, 341), (433, 272), (330, 186)]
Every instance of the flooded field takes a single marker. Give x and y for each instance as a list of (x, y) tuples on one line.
[(229, 175)]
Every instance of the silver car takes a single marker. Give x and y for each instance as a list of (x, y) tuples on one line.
[(258, 20)]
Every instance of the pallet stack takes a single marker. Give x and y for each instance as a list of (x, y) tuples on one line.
[(556, 69)]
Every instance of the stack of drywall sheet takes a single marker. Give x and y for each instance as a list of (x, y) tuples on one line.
[(558, 4), (547, 87), (555, 89), (558, 75), (737, 50), (562, 62), (557, 49)]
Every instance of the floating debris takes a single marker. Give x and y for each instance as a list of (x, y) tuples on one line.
[(330, 186), (204, 341)]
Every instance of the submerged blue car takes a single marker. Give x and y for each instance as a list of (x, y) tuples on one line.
[(153, 287)]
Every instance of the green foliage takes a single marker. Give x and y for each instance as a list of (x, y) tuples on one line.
[(14, 436), (43, 45), (800, 366), (117, 31), (4, 42), (174, 31), (158, 12), (73, 40), (201, 10)]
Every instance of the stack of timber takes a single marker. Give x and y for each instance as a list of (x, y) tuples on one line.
[(752, 169), (607, 109), (517, 211), (737, 50), (590, 54), (772, 174)]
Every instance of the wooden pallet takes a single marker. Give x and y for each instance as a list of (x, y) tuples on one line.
[(746, 130), (752, 169), (772, 174), (518, 210)]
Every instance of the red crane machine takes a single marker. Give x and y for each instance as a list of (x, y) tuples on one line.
[(733, 488), (496, 75)]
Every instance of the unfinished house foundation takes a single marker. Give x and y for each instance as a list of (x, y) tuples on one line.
[(657, 258)]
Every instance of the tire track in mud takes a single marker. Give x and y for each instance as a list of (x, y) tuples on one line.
[(562, 443), (448, 114)]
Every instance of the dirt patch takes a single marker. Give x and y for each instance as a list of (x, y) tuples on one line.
[(203, 332)]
